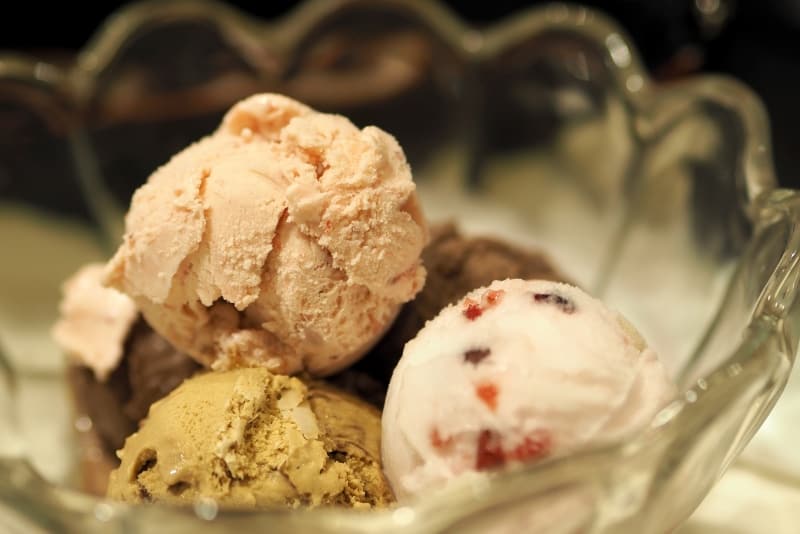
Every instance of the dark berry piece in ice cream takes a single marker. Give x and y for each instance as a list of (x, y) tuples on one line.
[(566, 305), (476, 356)]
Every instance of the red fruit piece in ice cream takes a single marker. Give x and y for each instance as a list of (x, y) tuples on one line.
[(489, 454), (534, 447), (472, 310), (487, 392)]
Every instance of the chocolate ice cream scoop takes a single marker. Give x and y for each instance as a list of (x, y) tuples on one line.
[(154, 369), (456, 265), (150, 368)]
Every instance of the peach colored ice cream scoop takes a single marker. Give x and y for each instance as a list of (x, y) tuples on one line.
[(287, 239)]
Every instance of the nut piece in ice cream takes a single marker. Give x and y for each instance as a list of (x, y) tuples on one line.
[(288, 239), (534, 369), (247, 438)]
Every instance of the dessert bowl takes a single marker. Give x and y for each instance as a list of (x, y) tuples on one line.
[(543, 129)]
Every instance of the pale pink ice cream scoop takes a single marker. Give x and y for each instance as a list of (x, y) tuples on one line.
[(94, 321), (516, 372), (287, 239)]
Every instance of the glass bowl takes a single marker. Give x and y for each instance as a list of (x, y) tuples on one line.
[(543, 128)]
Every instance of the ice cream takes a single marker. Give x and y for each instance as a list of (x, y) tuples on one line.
[(288, 239), (150, 367), (455, 264), (534, 369), (118, 367), (248, 438), (94, 321), (107, 412)]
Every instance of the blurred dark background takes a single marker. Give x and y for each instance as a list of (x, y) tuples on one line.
[(755, 41)]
